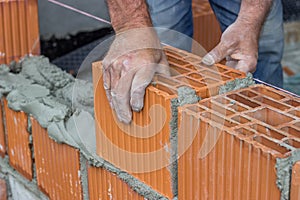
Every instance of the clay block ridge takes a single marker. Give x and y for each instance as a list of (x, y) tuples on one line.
[(207, 31), (156, 130), (254, 135), (45, 92), (19, 30)]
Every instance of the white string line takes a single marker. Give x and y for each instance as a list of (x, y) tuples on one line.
[(79, 11)]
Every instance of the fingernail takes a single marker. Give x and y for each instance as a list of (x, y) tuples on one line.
[(136, 103), (208, 60)]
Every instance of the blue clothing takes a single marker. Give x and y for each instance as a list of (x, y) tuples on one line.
[(177, 15)]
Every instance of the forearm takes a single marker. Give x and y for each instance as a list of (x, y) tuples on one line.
[(128, 14), (253, 13)]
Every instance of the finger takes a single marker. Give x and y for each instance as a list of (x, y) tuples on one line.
[(231, 63), (107, 86), (247, 65), (216, 55), (121, 97), (141, 80), (163, 68)]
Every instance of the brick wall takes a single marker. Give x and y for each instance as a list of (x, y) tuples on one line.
[(229, 146)]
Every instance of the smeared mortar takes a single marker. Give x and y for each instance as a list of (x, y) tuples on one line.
[(237, 84), (284, 172), (31, 185), (47, 93), (186, 95)]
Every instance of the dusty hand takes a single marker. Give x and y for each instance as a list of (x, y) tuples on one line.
[(239, 45), (128, 68)]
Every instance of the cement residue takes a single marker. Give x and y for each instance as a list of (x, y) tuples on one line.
[(64, 106), (84, 177), (237, 84), (42, 72), (78, 94), (141, 189), (284, 172), (186, 95), (29, 185)]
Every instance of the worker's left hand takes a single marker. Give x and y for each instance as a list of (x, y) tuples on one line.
[(239, 45)]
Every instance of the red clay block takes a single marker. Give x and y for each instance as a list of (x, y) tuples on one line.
[(3, 192), (207, 31), (2, 133), (18, 143), (143, 147), (57, 166), (106, 185), (233, 142), (18, 29)]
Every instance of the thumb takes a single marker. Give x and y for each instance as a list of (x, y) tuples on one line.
[(215, 55)]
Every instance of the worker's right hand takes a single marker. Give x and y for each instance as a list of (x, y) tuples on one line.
[(128, 68)]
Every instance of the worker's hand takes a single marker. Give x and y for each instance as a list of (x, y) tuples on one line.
[(239, 45), (133, 59)]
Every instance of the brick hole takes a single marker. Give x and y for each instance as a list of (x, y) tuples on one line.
[(171, 53), (237, 107), (291, 131), (192, 82), (295, 113), (293, 103), (165, 80), (222, 110), (268, 92), (192, 59), (176, 70), (196, 109), (233, 74), (195, 75), (270, 144), (266, 131), (270, 117), (248, 93), (165, 88), (210, 81), (177, 61), (218, 119), (226, 78), (272, 103), (192, 67), (244, 101), (222, 100), (245, 132), (210, 74), (293, 143), (221, 69), (241, 119)]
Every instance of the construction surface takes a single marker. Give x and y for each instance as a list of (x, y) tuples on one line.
[(54, 154)]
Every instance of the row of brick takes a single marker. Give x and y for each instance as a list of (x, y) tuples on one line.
[(227, 145), (18, 29), (143, 148), (58, 168)]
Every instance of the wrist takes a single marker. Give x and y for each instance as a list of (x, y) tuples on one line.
[(128, 24)]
